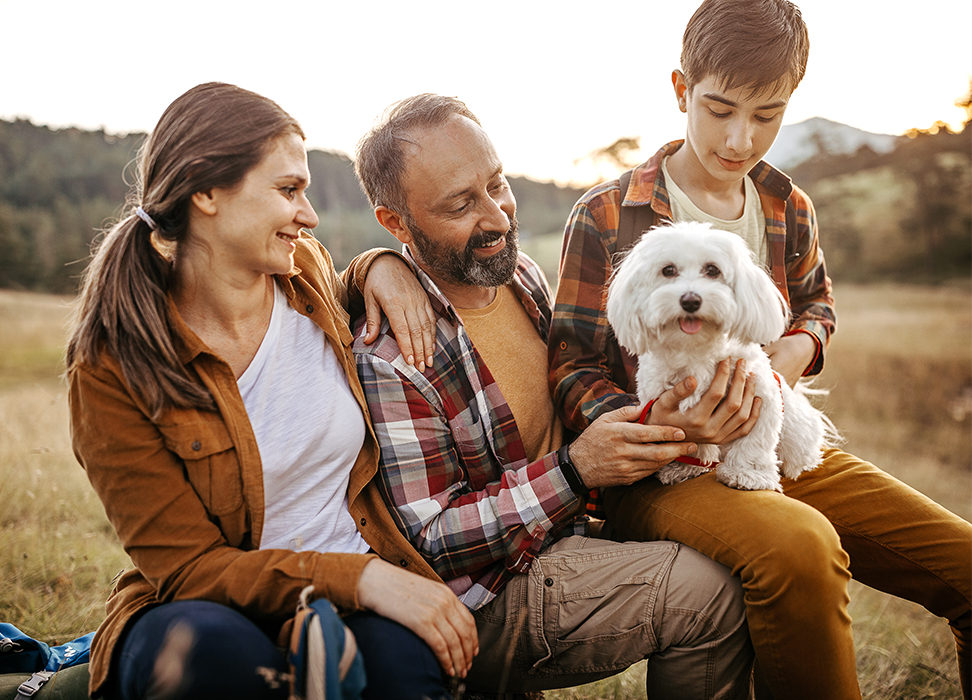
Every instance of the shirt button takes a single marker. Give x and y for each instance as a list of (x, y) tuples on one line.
[(309, 308), (548, 582), (196, 446), (363, 522)]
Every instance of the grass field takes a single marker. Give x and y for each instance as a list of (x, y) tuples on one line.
[(900, 375)]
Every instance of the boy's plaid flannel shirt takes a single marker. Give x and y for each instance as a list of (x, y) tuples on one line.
[(590, 374)]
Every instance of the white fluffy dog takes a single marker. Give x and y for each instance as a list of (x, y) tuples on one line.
[(688, 296)]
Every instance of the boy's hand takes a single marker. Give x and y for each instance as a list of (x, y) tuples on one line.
[(726, 411), (791, 355)]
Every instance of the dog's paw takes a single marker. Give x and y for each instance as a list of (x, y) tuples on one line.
[(676, 472), (749, 479), (792, 471)]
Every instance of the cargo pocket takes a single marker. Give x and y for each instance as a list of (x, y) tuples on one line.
[(595, 604), (211, 463)]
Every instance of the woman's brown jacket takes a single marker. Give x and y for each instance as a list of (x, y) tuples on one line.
[(185, 492)]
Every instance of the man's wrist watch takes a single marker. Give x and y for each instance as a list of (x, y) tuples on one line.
[(570, 471)]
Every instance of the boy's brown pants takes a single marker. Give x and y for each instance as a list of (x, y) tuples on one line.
[(794, 554)]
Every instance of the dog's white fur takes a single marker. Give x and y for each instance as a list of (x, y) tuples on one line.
[(688, 296)]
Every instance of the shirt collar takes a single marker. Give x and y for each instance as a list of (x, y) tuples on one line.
[(441, 303), (188, 344), (647, 186)]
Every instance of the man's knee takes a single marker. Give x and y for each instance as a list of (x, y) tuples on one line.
[(701, 624), (701, 602)]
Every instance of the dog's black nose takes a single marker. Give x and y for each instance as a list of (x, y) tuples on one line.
[(691, 302)]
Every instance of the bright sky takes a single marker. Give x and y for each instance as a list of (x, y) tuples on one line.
[(550, 81)]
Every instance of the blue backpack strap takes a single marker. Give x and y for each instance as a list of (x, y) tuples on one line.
[(77, 651), (323, 654), (20, 653)]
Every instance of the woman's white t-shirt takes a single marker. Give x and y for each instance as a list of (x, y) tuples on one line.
[(309, 430)]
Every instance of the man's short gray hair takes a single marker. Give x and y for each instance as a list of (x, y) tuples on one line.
[(380, 157)]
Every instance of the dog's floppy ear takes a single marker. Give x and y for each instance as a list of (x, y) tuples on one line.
[(628, 293), (761, 311)]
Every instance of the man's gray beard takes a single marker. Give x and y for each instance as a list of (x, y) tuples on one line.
[(464, 267)]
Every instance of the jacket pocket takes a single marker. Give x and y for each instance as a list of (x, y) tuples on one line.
[(212, 465)]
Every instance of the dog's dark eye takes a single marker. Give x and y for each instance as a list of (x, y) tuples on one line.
[(669, 271), (711, 270)]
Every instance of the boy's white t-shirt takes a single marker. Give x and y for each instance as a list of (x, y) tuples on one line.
[(309, 430), (751, 226)]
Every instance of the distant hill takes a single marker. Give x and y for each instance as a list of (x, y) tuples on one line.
[(798, 143)]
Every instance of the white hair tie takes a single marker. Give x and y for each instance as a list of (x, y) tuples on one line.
[(140, 213)]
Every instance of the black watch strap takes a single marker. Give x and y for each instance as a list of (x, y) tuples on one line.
[(570, 471)]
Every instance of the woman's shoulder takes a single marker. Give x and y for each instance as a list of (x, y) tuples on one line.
[(311, 251), (313, 263)]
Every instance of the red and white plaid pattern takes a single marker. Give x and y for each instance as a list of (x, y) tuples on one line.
[(453, 468)]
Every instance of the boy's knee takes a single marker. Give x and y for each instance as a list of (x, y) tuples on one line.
[(805, 552)]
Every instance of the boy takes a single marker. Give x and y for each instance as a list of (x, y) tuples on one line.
[(741, 61)]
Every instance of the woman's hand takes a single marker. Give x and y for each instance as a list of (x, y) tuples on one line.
[(391, 287), (726, 411), (426, 607)]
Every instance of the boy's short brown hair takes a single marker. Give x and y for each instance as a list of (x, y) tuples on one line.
[(746, 43)]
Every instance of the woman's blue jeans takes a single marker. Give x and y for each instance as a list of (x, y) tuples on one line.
[(199, 649)]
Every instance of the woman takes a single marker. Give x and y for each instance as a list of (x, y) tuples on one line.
[(216, 410)]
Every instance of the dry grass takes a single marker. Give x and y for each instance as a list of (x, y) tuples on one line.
[(59, 553), (34, 332), (900, 374)]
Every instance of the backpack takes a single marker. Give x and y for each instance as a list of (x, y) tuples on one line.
[(30, 668), (323, 654)]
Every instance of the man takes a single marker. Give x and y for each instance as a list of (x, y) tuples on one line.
[(741, 61), (474, 466)]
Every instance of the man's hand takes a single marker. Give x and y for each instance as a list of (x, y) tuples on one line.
[(427, 608), (391, 287), (791, 355), (726, 411), (617, 450)]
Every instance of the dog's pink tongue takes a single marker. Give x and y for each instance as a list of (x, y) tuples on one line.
[(690, 325)]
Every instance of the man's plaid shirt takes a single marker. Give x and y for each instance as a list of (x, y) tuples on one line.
[(453, 469), (590, 374)]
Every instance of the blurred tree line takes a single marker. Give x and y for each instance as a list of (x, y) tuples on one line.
[(904, 215), (900, 215), (60, 188)]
